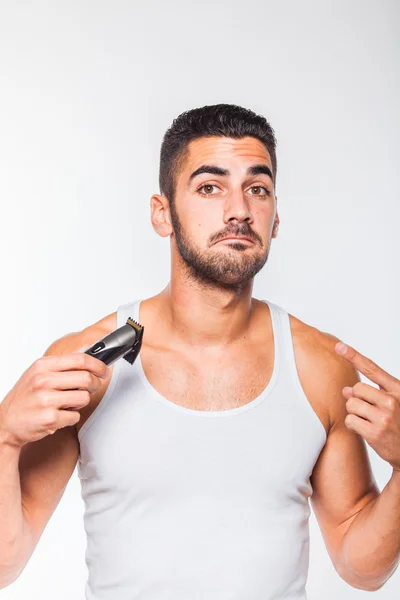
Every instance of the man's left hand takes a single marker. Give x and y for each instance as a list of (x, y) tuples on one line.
[(374, 414)]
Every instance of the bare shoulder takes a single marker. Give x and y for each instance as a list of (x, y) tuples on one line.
[(72, 342), (323, 373)]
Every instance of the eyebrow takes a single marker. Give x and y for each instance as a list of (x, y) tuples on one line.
[(214, 170)]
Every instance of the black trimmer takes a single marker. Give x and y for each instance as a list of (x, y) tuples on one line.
[(125, 342)]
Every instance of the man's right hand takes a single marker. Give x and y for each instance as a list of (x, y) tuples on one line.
[(48, 396)]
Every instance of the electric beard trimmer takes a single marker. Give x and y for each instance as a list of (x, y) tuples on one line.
[(125, 342)]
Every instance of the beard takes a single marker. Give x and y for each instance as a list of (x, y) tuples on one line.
[(230, 268)]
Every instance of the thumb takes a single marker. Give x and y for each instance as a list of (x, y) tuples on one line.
[(84, 347)]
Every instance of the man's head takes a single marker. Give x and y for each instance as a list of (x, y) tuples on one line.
[(199, 205)]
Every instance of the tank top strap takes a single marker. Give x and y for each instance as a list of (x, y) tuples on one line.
[(284, 352), (283, 341), (130, 309), (125, 311)]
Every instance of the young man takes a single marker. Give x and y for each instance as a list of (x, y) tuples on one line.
[(197, 462)]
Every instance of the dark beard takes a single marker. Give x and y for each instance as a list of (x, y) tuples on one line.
[(229, 269)]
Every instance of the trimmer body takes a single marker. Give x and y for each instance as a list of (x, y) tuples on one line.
[(125, 342)]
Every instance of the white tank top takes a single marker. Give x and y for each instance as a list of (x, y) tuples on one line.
[(186, 504)]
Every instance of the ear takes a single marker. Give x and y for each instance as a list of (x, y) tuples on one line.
[(160, 215), (276, 226)]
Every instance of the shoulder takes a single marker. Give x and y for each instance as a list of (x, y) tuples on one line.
[(323, 373), (72, 342)]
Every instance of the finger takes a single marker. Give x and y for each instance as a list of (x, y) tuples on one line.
[(71, 400), (347, 392), (363, 409), (84, 348), (68, 419), (366, 366), (72, 380), (360, 426), (76, 360), (68, 400), (366, 392)]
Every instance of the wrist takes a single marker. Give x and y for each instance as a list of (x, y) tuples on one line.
[(6, 441)]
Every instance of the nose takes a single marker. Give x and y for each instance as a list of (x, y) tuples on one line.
[(237, 207)]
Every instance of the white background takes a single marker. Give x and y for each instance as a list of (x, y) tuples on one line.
[(88, 89)]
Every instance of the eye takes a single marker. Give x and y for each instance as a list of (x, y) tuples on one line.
[(261, 187), (210, 185), (206, 185)]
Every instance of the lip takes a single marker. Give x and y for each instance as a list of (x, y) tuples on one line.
[(245, 239)]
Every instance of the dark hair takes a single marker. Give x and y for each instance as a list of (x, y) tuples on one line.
[(222, 120)]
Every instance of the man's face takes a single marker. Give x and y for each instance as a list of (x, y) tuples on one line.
[(211, 206)]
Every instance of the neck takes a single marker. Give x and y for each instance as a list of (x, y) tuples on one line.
[(197, 316)]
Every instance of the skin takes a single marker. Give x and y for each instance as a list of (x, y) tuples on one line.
[(215, 278), (210, 321)]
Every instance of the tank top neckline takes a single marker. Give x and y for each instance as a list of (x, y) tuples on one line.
[(219, 413)]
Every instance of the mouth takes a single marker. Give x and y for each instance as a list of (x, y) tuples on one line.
[(240, 239)]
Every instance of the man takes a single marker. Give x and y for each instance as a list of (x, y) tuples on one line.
[(198, 461)]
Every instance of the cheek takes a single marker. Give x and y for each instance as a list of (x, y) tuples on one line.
[(263, 213), (203, 222), (264, 219)]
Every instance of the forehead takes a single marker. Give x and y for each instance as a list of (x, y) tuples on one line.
[(223, 150)]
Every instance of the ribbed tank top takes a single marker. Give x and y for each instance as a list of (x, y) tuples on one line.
[(187, 504)]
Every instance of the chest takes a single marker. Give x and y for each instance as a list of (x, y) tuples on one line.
[(211, 382), (146, 450)]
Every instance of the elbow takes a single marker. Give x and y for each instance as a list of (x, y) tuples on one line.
[(8, 576), (370, 582), (361, 582), (374, 588), (10, 573), (5, 582), (366, 586), (11, 568)]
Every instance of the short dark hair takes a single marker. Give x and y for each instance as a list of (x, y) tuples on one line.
[(224, 120)]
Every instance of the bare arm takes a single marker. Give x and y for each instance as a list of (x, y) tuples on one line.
[(32, 483), (372, 542), (35, 475), (343, 482), (371, 545)]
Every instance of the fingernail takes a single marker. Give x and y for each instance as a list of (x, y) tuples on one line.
[(341, 348)]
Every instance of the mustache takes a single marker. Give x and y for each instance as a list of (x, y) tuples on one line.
[(246, 232)]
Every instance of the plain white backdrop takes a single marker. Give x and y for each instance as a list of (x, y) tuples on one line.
[(88, 89)]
